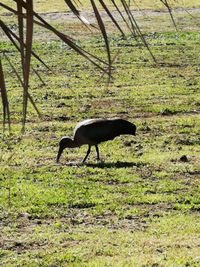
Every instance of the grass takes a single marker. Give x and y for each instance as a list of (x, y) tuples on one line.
[(140, 206), (44, 6)]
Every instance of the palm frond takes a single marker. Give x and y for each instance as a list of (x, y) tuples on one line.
[(22, 41), (4, 97), (112, 17), (13, 38), (104, 33), (76, 12), (26, 56), (122, 16), (165, 3), (22, 84)]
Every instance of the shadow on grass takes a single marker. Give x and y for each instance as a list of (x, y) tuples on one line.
[(118, 164), (102, 165)]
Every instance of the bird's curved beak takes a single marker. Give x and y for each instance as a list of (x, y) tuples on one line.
[(59, 153)]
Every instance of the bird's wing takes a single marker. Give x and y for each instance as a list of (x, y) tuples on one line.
[(84, 123), (96, 132)]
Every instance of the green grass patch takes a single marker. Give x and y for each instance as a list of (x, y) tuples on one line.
[(140, 205)]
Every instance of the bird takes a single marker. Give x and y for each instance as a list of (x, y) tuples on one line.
[(91, 132)]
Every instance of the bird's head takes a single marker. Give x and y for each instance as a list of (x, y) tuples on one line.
[(133, 129), (64, 142)]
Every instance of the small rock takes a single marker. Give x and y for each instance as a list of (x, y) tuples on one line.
[(197, 259), (63, 118), (129, 217), (147, 129), (160, 250), (18, 244), (24, 215), (60, 105), (184, 158), (127, 143)]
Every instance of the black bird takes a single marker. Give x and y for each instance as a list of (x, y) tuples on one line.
[(91, 132)]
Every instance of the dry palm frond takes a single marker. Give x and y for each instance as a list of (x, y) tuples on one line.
[(165, 3), (22, 41), (103, 31), (22, 84), (4, 97), (112, 17)]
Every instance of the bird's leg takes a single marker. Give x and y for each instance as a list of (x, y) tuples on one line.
[(97, 150), (87, 154)]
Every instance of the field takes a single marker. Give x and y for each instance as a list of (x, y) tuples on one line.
[(140, 205)]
